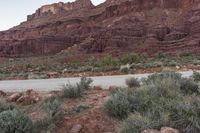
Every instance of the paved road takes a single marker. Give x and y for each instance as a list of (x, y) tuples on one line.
[(56, 84)]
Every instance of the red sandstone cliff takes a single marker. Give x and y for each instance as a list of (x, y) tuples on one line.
[(114, 26)]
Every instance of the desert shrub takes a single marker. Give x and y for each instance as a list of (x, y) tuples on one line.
[(105, 68), (75, 91), (185, 115), (117, 105), (196, 76), (161, 55), (132, 82), (151, 96), (5, 106), (51, 105), (13, 121), (154, 78), (196, 62), (160, 101), (108, 61), (71, 91), (152, 64), (28, 66), (47, 123), (135, 123), (85, 83), (165, 84), (172, 63), (188, 86), (130, 58), (184, 54), (43, 125)]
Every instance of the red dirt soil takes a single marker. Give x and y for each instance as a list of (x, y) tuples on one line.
[(93, 119)]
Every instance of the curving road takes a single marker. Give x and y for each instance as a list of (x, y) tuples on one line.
[(56, 84)]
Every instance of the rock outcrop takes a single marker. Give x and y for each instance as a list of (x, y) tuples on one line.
[(59, 8), (115, 26)]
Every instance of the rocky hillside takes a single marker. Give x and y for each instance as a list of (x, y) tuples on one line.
[(115, 26)]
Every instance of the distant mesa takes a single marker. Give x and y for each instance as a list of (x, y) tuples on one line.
[(59, 8)]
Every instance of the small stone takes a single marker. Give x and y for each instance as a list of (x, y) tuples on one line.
[(76, 128), (178, 67), (2, 94), (14, 97), (150, 131), (168, 130), (98, 88)]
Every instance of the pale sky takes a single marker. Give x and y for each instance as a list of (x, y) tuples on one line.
[(12, 12)]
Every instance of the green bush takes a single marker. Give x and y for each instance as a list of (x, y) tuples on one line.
[(108, 61), (196, 76), (185, 115), (75, 91), (160, 101), (130, 58), (155, 78), (132, 82), (51, 105), (13, 121), (117, 105), (165, 84), (185, 54), (135, 123), (161, 55), (72, 91), (188, 86), (5, 106), (43, 125), (85, 83)]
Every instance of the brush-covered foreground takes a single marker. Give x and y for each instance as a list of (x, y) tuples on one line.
[(161, 100), (164, 99)]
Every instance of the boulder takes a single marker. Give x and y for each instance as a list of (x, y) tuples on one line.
[(14, 97), (76, 128), (2, 94)]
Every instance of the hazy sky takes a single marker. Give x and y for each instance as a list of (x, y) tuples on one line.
[(12, 12)]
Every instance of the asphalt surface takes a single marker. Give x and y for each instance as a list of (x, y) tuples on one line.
[(46, 85)]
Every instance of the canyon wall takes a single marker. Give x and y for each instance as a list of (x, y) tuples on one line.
[(115, 26)]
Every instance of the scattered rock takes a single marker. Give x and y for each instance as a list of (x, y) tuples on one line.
[(76, 128), (98, 88), (168, 130), (53, 93), (14, 97), (178, 67), (163, 130), (52, 74), (28, 99), (150, 131), (2, 94)]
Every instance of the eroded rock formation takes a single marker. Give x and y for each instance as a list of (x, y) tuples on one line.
[(115, 26)]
